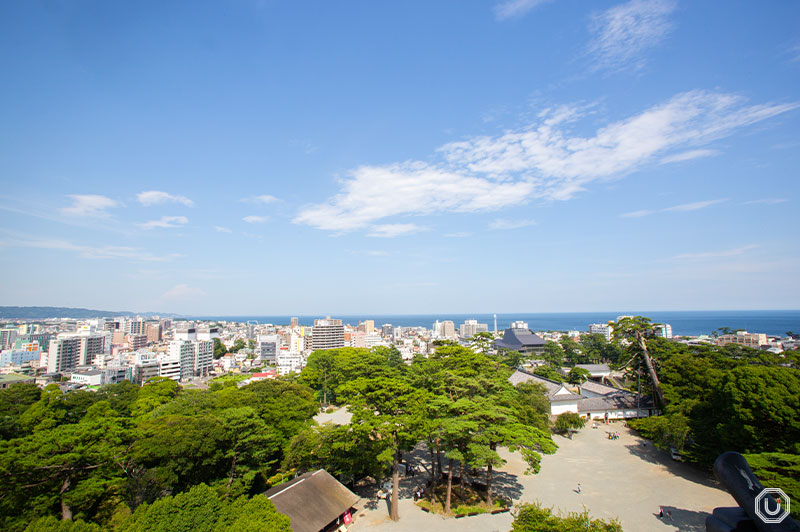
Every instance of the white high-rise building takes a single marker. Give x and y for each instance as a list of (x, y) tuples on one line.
[(267, 347), (63, 353), (135, 326), (7, 337), (600, 328), (327, 334), (288, 361), (448, 329), (664, 330), (196, 358), (169, 367), (208, 334), (204, 357), (70, 350), (188, 335), (470, 328)]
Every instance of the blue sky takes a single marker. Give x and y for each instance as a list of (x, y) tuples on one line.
[(266, 157)]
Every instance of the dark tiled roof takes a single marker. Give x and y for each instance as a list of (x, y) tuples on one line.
[(519, 339), (595, 368), (602, 389), (618, 401), (312, 500), (552, 387)]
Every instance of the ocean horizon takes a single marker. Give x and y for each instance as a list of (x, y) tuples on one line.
[(684, 323)]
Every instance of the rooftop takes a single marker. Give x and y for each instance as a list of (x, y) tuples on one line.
[(556, 391), (14, 377), (312, 501), (519, 339)]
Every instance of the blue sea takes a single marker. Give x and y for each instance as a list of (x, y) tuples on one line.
[(689, 323)]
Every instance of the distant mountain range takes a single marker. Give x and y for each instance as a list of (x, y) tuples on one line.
[(41, 313)]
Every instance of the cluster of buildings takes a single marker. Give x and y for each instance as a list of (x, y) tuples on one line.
[(101, 351)]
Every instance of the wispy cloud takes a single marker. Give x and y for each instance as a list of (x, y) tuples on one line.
[(501, 223), (253, 219), (765, 201), (393, 230), (544, 160), (165, 222), (684, 207), (794, 52), (156, 197), (637, 214), (515, 8), (220, 229), (183, 291), (621, 34), (459, 234), (89, 205), (688, 156), (263, 199), (716, 254), (697, 205), (91, 251)]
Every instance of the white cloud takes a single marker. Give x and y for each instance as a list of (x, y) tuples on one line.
[(89, 205), (559, 164), (684, 207), (393, 230), (637, 214), (624, 32), (765, 201), (688, 156), (501, 223), (375, 192), (155, 197), (92, 252), (165, 222), (544, 160), (515, 8), (794, 53), (220, 229), (377, 253), (716, 254), (182, 291), (697, 205), (263, 199), (253, 219)]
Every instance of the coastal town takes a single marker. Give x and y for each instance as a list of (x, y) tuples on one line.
[(575, 421), (93, 352)]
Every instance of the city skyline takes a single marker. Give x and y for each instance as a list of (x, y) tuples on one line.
[(527, 156)]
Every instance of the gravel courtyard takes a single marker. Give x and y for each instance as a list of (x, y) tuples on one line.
[(625, 478)]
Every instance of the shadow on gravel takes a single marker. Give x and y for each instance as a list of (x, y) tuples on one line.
[(649, 453), (685, 520)]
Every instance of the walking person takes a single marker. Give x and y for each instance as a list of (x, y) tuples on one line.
[(579, 488)]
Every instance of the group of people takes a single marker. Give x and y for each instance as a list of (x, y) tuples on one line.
[(419, 493), (613, 435)]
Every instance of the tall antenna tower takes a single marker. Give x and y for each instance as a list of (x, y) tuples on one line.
[(495, 323)]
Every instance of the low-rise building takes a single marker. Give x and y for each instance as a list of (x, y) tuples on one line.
[(744, 338), (14, 378)]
